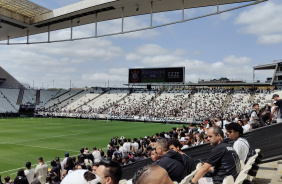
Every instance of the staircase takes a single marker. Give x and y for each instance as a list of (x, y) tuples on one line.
[(227, 102), (65, 99), (252, 97), (20, 97), (37, 101), (91, 100), (187, 100)]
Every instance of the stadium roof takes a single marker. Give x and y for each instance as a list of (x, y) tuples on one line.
[(268, 66), (21, 18)]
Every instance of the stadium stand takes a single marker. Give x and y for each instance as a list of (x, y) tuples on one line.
[(29, 96), (45, 96)]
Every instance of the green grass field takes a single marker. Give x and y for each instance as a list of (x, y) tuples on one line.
[(26, 139)]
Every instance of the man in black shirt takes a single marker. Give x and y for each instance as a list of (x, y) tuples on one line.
[(223, 158), (171, 161)]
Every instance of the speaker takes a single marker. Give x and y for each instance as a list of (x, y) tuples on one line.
[(149, 87)]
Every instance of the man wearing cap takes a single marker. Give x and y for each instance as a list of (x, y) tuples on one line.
[(278, 107)]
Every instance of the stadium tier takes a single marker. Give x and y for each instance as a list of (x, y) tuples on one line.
[(179, 104)]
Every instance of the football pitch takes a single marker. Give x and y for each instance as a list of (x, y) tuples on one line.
[(26, 139)]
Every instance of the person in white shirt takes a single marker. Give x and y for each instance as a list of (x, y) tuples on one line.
[(135, 146), (241, 145), (219, 122), (122, 149), (29, 173), (126, 145), (41, 171), (97, 155), (246, 125)]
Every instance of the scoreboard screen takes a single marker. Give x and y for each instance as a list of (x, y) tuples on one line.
[(157, 75)]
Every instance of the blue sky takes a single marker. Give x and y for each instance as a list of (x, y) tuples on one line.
[(224, 45)]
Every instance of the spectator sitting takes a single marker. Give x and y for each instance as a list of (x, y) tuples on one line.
[(152, 174), (81, 177), (109, 172), (153, 154), (171, 161), (223, 158), (125, 160), (189, 163), (241, 145), (88, 161)]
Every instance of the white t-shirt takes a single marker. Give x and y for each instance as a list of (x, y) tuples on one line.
[(246, 128), (135, 146), (241, 147), (123, 150), (29, 173), (219, 123), (97, 156), (127, 146), (200, 130)]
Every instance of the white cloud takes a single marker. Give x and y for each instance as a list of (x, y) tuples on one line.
[(151, 49), (270, 39), (232, 59), (160, 60), (264, 21), (132, 57)]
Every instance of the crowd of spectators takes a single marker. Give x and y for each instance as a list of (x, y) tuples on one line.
[(164, 148), (186, 104)]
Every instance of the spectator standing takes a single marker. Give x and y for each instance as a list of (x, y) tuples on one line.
[(55, 170), (254, 119), (29, 173), (277, 108), (41, 171), (246, 125), (97, 155), (21, 178)]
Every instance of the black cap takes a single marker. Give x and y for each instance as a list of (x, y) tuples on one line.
[(275, 95)]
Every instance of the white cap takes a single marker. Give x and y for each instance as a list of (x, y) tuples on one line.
[(182, 139)]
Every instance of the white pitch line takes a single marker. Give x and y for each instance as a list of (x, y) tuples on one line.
[(24, 167), (45, 147), (39, 138)]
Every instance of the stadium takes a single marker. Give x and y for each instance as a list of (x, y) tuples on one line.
[(143, 106)]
